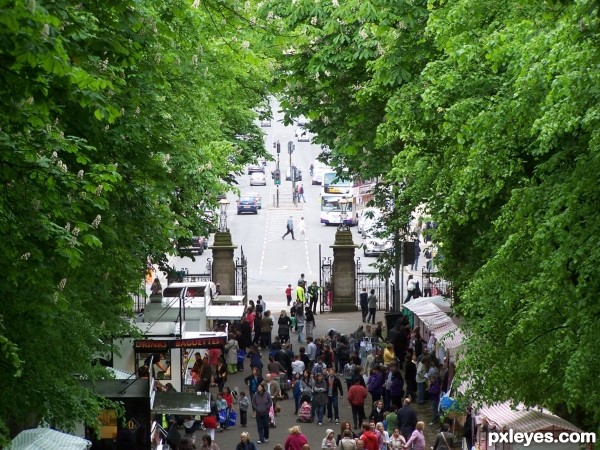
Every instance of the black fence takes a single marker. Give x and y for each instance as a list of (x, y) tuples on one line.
[(376, 282)]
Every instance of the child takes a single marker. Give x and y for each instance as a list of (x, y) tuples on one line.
[(228, 397), (223, 410), (244, 404)]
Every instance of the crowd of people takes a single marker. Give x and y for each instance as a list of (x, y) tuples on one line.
[(381, 372)]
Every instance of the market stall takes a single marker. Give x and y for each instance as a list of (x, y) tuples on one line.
[(47, 439), (503, 417)]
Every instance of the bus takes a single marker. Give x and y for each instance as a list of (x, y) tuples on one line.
[(357, 193)]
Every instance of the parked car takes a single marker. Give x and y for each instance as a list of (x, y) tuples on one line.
[(256, 196), (247, 204), (265, 123), (258, 179), (302, 134)]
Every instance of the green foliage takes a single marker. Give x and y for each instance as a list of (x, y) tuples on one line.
[(486, 113), (120, 123)]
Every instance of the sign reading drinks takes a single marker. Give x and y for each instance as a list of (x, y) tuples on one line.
[(152, 345)]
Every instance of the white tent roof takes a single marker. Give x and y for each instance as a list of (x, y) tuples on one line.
[(47, 439), (432, 311), (502, 416)]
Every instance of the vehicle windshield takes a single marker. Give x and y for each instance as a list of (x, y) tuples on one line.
[(247, 199), (331, 203)]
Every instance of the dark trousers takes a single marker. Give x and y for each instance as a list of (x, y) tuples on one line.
[(262, 423), (371, 316), (358, 415), (364, 310), (333, 408), (313, 304), (243, 418), (288, 232)]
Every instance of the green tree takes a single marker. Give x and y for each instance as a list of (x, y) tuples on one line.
[(487, 115), (119, 124)]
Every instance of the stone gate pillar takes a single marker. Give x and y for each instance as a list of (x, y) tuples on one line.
[(344, 270), (223, 266)]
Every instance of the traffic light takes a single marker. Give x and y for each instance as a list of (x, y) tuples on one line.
[(277, 176)]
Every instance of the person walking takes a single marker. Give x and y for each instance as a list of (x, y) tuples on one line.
[(334, 386), (300, 190), (261, 403), (290, 228), (410, 288), (372, 303), (295, 440), (364, 304), (407, 419), (357, 395), (444, 439), (288, 294), (319, 400), (302, 228), (417, 439)]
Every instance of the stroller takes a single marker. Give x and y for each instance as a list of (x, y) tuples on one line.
[(286, 385), (305, 410)]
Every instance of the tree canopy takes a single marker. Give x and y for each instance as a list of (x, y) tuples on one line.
[(487, 113), (120, 124)]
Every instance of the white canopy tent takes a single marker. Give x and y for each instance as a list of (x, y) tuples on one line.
[(47, 439), (502, 417), (431, 314)]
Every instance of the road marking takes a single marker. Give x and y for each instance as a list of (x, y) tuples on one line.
[(264, 249)]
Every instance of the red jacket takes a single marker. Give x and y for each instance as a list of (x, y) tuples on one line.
[(357, 395), (370, 440)]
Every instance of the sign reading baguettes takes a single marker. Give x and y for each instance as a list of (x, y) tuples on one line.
[(145, 345)]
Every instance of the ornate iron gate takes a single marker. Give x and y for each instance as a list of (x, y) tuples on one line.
[(241, 275), (326, 283), (373, 280)]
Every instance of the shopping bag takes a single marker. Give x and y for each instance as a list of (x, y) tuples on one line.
[(222, 415), (231, 420), (241, 356)]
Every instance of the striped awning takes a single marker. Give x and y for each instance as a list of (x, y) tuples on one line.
[(503, 417), (47, 439), (437, 321)]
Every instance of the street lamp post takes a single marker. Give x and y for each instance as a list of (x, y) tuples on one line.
[(223, 204), (343, 214)]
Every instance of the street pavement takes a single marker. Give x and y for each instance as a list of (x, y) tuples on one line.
[(344, 323)]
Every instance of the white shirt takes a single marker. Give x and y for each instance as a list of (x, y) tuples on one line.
[(298, 367)]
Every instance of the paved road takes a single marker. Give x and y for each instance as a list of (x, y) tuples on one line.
[(273, 262)]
